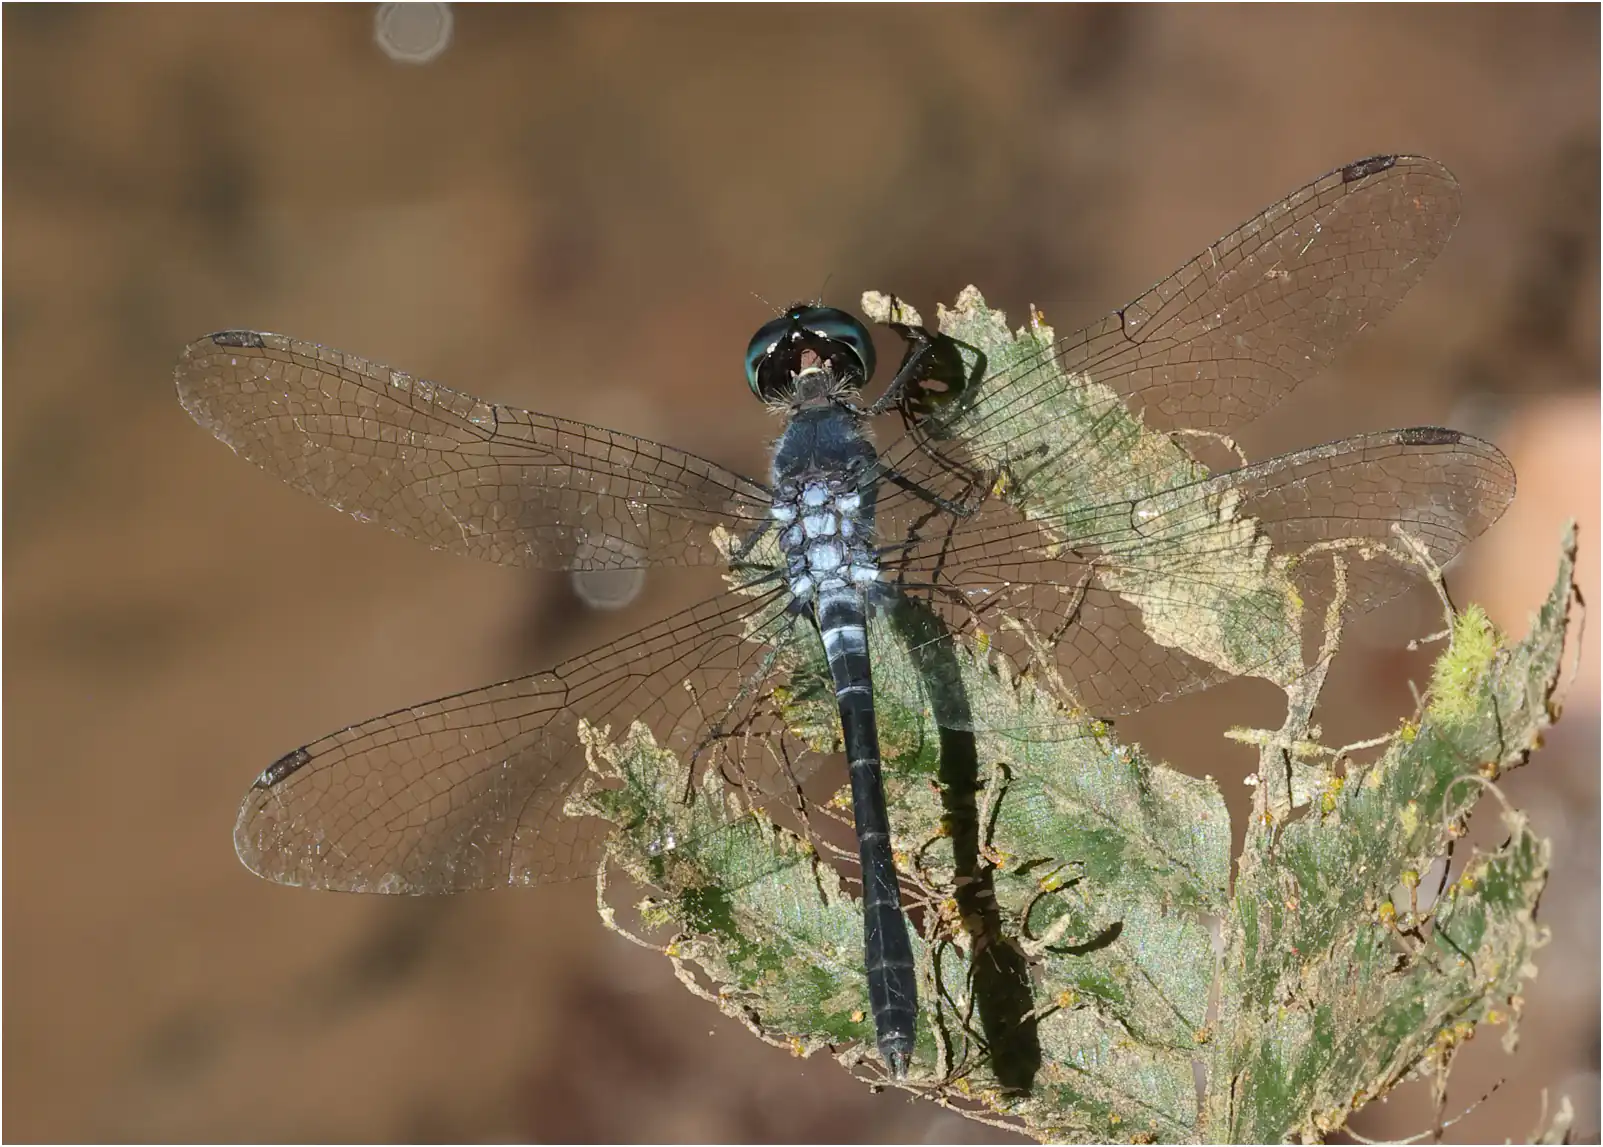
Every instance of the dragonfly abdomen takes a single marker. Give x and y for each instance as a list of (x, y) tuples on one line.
[(888, 952)]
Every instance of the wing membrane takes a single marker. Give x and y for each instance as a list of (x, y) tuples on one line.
[(1149, 596), (1238, 327), (495, 482), (469, 791)]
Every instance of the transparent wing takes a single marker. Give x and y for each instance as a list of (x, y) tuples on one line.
[(507, 485), (1234, 330), (469, 791), (1144, 597)]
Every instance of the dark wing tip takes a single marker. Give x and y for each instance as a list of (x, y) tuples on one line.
[(1496, 481), (1364, 168), (191, 374), (283, 768), (238, 338), (259, 834), (1429, 436)]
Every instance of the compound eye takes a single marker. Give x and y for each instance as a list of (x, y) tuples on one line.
[(774, 355), (766, 378)]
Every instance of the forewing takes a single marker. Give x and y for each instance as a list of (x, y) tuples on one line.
[(507, 485), (1234, 330), (471, 791), (1142, 598)]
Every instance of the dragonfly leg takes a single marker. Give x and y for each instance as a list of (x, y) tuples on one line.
[(940, 504), (743, 550), (920, 346)]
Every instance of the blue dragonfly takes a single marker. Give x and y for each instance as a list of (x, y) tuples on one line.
[(1058, 483)]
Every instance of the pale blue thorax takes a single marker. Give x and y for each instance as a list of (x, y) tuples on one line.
[(827, 548)]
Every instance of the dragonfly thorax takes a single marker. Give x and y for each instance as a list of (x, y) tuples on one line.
[(822, 504), (825, 537)]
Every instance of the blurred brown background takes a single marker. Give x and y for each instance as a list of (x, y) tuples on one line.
[(572, 210)]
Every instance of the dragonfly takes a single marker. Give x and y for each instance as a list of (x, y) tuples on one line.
[(1045, 495)]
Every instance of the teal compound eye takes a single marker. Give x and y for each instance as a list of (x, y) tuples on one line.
[(774, 355)]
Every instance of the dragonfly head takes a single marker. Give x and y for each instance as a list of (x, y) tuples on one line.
[(806, 344)]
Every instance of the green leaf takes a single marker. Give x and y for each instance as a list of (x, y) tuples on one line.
[(1336, 986), (748, 901)]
